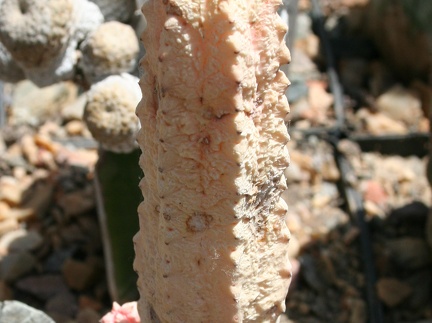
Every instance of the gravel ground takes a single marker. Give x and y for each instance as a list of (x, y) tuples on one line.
[(51, 254)]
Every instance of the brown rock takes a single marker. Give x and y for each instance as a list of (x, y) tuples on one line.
[(72, 234), (392, 291), (80, 275), (85, 302), (40, 198), (88, 315), (5, 291), (77, 202), (43, 286)]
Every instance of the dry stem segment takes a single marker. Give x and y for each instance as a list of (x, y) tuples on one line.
[(213, 240)]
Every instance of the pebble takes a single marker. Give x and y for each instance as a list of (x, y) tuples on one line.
[(8, 224), (64, 303), (40, 199), (55, 260), (88, 315), (295, 174), (302, 67), (374, 192), (303, 160), (19, 214), (80, 275), (79, 158), (319, 98), (309, 45), (358, 311), (33, 105), (75, 128), (85, 301), (319, 103), (20, 240), (30, 150), (43, 286), (10, 190), (379, 124), (14, 312), (401, 105), (5, 291), (392, 291), (45, 142), (303, 25), (297, 90), (78, 202), (329, 170), (16, 265), (75, 109), (310, 273)]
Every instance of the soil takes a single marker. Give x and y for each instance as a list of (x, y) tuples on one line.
[(352, 262)]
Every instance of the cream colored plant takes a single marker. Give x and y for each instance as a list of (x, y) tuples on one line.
[(212, 245)]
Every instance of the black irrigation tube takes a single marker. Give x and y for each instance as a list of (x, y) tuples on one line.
[(355, 205), (352, 196)]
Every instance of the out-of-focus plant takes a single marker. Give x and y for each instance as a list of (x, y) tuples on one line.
[(93, 43)]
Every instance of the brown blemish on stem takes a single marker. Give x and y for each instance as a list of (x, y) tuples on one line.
[(199, 222)]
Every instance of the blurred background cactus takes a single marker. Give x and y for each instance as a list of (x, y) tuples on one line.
[(95, 45)]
